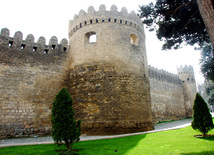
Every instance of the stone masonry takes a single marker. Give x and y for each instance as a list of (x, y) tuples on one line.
[(105, 69), (186, 75), (30, 76), (110, 75)]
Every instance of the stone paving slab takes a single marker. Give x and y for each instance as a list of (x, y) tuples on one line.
[(49, 140)]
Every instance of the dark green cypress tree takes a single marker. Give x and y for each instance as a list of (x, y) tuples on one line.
[(202, 119), (65, 130)]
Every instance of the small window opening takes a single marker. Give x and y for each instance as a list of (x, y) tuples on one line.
[(91, 21), (109, 20), (130, 23), (103, 20), (115, 20), (91, 37), (34, 48), (23, 46), (10, 44), (85, 23), (46, 51), (97, 20), (126, 22), (64, 49), (53, 47), (121, 21), (134, 39), (80, 25), (187, 79)]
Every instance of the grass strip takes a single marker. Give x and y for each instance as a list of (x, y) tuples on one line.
[(179, 141)]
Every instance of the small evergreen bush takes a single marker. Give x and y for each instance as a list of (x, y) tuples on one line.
[(202, 119), (65, 130)]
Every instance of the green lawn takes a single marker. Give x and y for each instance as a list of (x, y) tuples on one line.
[(180, 141)]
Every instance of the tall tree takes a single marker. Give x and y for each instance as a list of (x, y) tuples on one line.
[(202, 119), (175, 21), (206, 8), (182, 21), (209, 91), (65, 130), (207, 62)]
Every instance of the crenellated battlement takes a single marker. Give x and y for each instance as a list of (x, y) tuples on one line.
[(29, 45), (185, 69), (163, 75), (186, 74), (104, 16)]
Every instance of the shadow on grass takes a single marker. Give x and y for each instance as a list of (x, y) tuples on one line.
[(109, 146), (106, 146), (208, 138), (199, 153)]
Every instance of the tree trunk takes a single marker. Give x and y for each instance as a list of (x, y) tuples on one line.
[(67, 145), (207, 13), (203, 134)]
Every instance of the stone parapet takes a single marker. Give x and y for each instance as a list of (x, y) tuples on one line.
[(185, 69), (29, 45), (163, 75), (104, 16)]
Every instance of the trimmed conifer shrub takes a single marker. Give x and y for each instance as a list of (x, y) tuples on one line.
[(65, 130), (202, 119)]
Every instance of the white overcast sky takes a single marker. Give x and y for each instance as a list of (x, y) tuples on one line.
[(51, 17)]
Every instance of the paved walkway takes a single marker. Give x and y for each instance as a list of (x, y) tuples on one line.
[(49, 140)]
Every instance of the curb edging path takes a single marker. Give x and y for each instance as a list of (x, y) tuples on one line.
[(49, 140)]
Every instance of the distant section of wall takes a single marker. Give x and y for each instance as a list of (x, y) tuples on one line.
[(186, 74), (31, 74), (167, 96)]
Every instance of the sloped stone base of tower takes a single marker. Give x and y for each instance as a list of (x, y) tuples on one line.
[(109, 101), (115, 127)]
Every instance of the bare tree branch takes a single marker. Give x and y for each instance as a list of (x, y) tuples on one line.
[(183, 5)]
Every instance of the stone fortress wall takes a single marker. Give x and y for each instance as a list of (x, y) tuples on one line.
[(110, 76), (167, 96), (172, 95), (113, 88), (30, 77), (186, 75)]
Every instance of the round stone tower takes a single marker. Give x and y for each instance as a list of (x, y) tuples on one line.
[(109, 72), (186, 74)]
